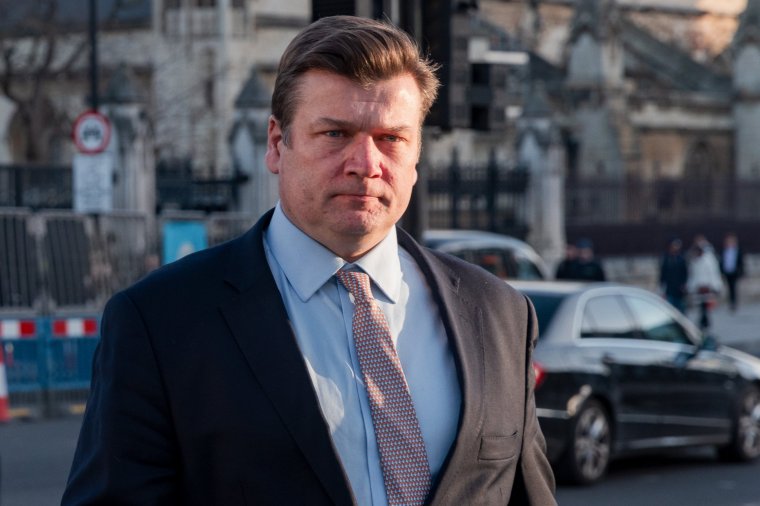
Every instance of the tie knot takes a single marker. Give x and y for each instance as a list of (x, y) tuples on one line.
[(357, 284)]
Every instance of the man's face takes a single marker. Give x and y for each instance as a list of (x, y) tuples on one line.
[(585, 254), (347, 171)]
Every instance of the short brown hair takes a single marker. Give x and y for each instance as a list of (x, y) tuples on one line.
[(363, 50)]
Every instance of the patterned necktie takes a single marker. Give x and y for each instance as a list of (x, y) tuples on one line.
[(402, 451)]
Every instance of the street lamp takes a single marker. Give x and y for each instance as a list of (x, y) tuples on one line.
[(94, 54)]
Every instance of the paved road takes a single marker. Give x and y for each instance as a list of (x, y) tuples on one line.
[(693, 478), (36, 457), (740, 329)]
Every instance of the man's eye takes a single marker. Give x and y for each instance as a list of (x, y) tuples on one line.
[(334, 133), (392, 138)]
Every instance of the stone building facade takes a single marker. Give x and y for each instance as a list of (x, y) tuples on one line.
[(188, 61), (582, 93), (652, 107)]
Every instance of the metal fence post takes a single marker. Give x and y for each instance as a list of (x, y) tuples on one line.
[(44, 365), (454, 188), (492, 190)]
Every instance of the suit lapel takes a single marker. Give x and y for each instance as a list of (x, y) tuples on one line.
[(463, 323), (259, 322)]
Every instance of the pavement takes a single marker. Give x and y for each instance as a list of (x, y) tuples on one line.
[(740, 329)]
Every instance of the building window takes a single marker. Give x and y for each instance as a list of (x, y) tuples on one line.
[(208, 92), (324, 8), (481, 73), (479, 117), (208, 77)]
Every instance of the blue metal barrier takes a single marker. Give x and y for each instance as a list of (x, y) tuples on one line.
[(23, 348), (24, 364), (48, 363), (70, 363), (62, 268), (70, 349)]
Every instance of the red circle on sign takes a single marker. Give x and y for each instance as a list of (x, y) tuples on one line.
[(91, 133)]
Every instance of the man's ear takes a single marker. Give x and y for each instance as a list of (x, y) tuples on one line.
[(274, 144)]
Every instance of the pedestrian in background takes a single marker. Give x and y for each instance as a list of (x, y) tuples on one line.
[(732, 267), (705, 283), (706, 246), (674, 274), (588, 267), (324, 357), (566, 268)]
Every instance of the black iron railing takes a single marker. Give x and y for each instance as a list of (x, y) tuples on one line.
[(36, 186)]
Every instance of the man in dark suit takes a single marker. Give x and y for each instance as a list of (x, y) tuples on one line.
[(241, 374), (674, 275), (732, 267)]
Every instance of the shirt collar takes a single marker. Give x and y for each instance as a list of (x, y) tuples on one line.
[(290, 246)]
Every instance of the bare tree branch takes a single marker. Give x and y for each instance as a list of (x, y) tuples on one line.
[(7, 76), (36, 50), (50, 38)]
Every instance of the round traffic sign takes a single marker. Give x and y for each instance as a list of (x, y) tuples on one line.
[(91, 133)]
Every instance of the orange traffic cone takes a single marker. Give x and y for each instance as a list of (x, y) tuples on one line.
[(5, 414)]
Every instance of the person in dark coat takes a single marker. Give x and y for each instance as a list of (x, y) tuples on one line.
[(674, 274), (587, 267), (566, 268), (732, 267)]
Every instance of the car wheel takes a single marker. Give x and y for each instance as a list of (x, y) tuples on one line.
[(745, 441), (588, 453)]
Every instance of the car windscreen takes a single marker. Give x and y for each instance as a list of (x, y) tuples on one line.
[(546, 305)]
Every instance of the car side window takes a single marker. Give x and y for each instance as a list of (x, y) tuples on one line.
[(527, 269), (498, 262), (605, 316), (656, 323)]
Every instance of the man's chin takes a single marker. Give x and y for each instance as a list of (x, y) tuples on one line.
[(362, 224)]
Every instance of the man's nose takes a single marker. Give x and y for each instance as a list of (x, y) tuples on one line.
[(364, 157)]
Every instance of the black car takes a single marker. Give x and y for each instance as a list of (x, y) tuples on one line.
[(620, 371)]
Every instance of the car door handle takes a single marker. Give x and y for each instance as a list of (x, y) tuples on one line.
[(608, 359)]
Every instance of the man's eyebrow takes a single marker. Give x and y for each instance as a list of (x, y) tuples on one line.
[(335, 123), (341, 124)]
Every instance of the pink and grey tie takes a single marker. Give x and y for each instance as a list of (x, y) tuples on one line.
[(402, 450)]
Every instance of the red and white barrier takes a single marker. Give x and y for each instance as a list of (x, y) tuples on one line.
[(10, 330), (18, 329), (75, 327)]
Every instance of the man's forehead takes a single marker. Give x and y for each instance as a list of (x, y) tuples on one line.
[(329, 99)]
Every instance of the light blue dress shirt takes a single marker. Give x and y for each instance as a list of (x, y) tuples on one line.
[(321, 311), (730, 258)]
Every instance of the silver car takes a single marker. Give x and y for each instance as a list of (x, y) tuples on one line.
[(502, 255)]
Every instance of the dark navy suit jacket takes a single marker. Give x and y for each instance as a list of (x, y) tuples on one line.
[(201, 396)]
